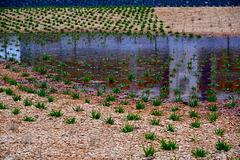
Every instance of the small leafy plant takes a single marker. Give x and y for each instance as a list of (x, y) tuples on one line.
[(110, 98), (150, 136), (196, 124), (140, 105), (40, 106), (16, 97), (149, 151), (2, 106), (170, 128), (213, 117), (124, 102), (157, 102), (221, 145), (29, 119), (16, 110), (70, 120), (219, 131), (9, 91), (171, 145), (27, 102), (154, 121), (213, 107), (95, 115), (87, 100), (132, 116), (78, 109), (156, 112), (199, 152), (75, 95), (50, 98), (120, 110), (193, 113), (175, 109), (175, 117), (56, 113), (193, 103), (109, 120), (127, 128)]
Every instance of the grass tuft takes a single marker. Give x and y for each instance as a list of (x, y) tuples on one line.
[(29, 119), (149, 151), (150, 136), (127, 128), (221, 145), (199, 152), (95, 115), (171, 145), (56, 113)]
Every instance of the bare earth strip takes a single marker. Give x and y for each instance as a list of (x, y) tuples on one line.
[(51, 138), (201, 20)]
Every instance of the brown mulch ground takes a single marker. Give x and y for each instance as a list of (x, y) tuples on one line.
[(51, 138)]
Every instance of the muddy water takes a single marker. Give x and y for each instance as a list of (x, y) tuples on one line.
[(176, 63)]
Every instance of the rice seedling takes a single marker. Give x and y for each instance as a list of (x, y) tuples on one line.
[(193, 114), (42, 93), (95, 115), (70, 120), (219, 131), (117, 90), (24, 74), (50, 98), (16, 97), (157, 102), (132, 116), (78, 109), (87, 100), (140, 105), (132, 95), (75, 95), (212, 117), (175, 109), (29, 119), (150, 136), (9, 91), (2, 90), (175, 117), (110, 98), (27, 102), (213, 107), (196, 124), (56, 113), (127, 128), (43, 85), (16, 111), (199, 152), (40, 106), (171, 145), (145, 99), (109, 120), (193, 103), (120, 110), (170, 128), (149, 151), (2, 106), (232, 104), (124, 102), (154, 121), (221, 145), (12, 82), (156, 112)]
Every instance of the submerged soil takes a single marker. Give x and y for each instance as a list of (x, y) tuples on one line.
[(51, 138)]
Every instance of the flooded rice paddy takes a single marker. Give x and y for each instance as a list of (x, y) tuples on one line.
[(169, 67)]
